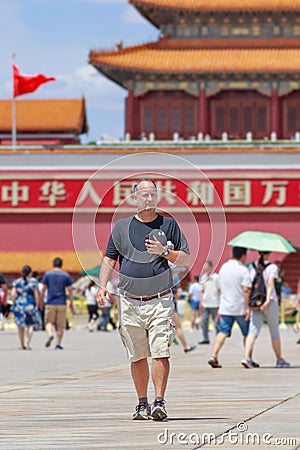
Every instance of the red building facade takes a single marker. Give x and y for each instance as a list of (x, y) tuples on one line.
[(70, 212), (226, 65)]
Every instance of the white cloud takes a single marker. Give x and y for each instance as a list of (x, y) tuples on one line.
[(84, 76), (132, 16), (100, 92)]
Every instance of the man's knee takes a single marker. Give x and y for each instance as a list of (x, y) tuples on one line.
[(161, 358), (139, 361), (222, 335)]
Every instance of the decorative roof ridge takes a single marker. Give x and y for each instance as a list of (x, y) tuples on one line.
[(123, 50), (212, 49), (168, 44), (154, 46), (31, 100)]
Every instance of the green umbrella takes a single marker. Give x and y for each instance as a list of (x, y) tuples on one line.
[(94, 271), (263, 242)]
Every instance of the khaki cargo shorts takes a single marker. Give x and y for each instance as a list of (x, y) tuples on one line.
[(146, 328), (56, 315)]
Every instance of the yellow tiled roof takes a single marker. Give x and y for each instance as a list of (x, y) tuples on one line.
[(45, 115), (205, 5), (148, 59)]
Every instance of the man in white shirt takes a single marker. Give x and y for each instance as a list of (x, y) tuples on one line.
[(210, 299), (235, 287)]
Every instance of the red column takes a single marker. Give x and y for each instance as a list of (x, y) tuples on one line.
[(129, 125), (136, 117), (275, 112), (202, 112)]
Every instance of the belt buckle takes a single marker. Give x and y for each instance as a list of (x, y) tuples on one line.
[(163, 293), (146, 298)]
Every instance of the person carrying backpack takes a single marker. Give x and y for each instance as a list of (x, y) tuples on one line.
[(263, 275)]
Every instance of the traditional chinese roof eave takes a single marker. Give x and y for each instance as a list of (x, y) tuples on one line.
[(127, 77), (108, 73), (145, 63), (218, 5), (162, 16), (145, 13), (159, 15)]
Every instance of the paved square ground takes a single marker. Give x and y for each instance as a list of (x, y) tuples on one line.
[(83, 397)]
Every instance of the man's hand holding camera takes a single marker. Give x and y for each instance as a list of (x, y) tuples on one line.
[(154, 247)]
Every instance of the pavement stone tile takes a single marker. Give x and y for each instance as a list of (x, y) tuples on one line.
[(83, 397)]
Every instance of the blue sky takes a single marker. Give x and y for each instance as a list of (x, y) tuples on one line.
[(54, 37)]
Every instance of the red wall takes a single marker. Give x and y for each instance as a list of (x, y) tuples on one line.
[(53, 232)]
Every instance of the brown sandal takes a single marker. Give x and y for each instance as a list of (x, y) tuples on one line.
[(213, 362)]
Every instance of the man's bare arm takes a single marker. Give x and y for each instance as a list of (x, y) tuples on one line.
[(107, 267), (246, 291), (178, 257)]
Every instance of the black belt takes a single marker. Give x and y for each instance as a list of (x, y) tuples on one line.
[(145, 298)]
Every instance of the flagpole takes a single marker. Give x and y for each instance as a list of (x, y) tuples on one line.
[(14, 121), (22, 84), (14, 125)]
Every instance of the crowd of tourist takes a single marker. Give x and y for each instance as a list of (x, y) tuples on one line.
[(32, 295)]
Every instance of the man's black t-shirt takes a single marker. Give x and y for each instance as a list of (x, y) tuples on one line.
[(140, 272)]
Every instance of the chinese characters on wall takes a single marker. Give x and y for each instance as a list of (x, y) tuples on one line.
[(249, 191)]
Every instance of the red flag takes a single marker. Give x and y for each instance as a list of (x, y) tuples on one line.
[(23, 84)]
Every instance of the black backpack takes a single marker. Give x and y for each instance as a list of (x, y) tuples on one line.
[(258, 292)]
